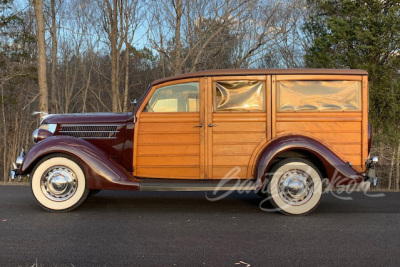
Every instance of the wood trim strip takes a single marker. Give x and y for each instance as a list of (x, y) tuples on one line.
[(208, 130), (238, 132), (321, 119), (273, 107), (203, 85), (319, 114), (318, 77), (242, 78), (365, 96), (268, 89)]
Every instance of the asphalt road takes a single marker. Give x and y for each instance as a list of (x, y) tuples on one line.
[(121, 228)]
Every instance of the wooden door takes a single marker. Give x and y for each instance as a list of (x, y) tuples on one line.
[(169, 133), (236, 118)]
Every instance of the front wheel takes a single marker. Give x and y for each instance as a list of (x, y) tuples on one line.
[(58, 183), (295, 186)]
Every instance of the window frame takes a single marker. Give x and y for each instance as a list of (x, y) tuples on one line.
[(171, 83), (320, 77), (278, 95), (262, 79)]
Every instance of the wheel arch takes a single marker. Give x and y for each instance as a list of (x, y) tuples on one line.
[(102, 171), (326, 160)]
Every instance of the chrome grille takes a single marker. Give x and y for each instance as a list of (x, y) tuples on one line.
[(90, 131)]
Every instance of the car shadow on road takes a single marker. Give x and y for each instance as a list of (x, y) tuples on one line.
[(201, 202)]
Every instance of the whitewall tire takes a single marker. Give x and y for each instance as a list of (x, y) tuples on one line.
[(295, 186), (58, 183)]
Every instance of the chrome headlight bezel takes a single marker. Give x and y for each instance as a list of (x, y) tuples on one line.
[(35, 135), (51, 128)]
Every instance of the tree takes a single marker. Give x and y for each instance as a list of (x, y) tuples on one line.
[(53, 33), (17, 83), (185, 33), (364, 35), (40, 35)]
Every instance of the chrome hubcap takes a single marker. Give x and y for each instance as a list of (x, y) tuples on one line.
[(59, 183), (295, 187)]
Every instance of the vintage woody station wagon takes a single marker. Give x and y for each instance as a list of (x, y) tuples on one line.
[(277, 132)]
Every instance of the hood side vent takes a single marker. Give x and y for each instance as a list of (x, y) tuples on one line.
[(90, 131)]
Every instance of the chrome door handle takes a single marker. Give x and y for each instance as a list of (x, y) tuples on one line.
[(211, 125), (199, 125)]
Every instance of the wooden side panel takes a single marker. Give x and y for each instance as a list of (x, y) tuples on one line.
[(234, 139), (342, 131), (168, 146)]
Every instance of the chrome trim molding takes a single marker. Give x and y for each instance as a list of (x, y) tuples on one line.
[(151, 185)]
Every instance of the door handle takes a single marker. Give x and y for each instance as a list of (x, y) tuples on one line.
[(199, 125), (211, 125)]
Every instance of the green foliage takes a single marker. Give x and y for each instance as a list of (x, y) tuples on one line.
[(361, 35)]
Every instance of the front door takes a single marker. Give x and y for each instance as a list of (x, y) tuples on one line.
[(169, 133)]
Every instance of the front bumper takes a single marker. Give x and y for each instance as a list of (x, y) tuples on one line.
[(15, 174)]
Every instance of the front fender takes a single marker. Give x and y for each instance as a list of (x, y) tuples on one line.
[(338, 171), (102, 171)]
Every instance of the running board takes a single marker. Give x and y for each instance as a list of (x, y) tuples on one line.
[(196, 185)]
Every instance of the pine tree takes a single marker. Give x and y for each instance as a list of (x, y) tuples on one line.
[(361, 35)]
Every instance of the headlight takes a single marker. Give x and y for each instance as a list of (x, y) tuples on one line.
[(44, 131), (49, 127), (35, 136)]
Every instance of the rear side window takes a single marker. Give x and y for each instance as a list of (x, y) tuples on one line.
[(182, 97), (241, 96), (319, 96)]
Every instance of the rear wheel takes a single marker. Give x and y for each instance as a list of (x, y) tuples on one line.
[(58, 183), (295, 186)]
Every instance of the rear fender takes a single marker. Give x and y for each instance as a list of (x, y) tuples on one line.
[(102, 171), (338, 171)]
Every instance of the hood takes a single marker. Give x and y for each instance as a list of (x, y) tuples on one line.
[(85, 118)]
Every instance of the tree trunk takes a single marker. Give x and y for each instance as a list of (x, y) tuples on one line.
[(40, 35), (398, 167), (113, 13), (126, 89), (391, 169), (53, 102), (178, 44)]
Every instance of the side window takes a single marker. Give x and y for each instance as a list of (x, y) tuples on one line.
[(182, 97), (319, 96), (241, 96)]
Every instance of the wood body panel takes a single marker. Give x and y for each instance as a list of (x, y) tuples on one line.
[(344, 132), (233, 143), (169, 149), (170, 145), (344, 136)]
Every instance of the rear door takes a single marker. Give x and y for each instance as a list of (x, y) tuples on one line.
[(236, 118)]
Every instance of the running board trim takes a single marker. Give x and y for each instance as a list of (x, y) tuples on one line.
[(173, 185)]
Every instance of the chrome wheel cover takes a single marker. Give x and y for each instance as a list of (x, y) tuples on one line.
[(59, 183), (295, 187)]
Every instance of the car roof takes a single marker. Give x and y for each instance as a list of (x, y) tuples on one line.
[(238, 72)]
